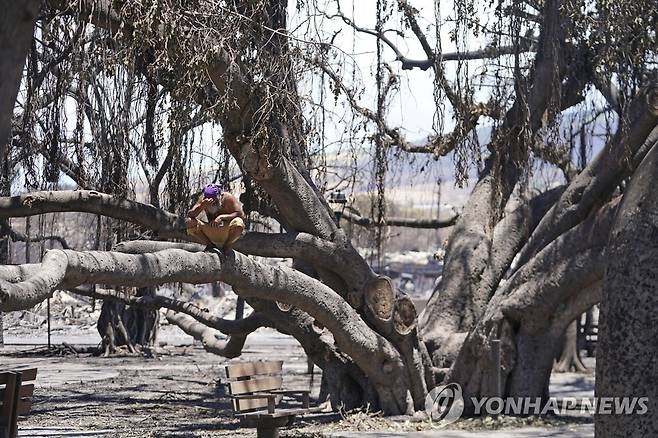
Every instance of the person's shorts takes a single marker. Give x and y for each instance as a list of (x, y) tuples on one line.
[(219, 236)]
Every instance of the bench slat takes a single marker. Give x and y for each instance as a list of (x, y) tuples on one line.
[(278, 413), (25, 405), (25, 391), (255, 385), (246, 405), (253, 368), (27, 374), (240, 405)]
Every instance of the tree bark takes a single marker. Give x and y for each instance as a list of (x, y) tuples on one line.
[(439, 328), (400, 221), (459, 301), (373, 353), (230, 348), (626, 350), (532, 309), (16, 30), (162, 223), (600, 178), (569, 359)]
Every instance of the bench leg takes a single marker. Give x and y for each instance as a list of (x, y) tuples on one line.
[(9, 413), (267, 432)]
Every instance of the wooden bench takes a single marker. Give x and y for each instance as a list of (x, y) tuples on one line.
[(255, 390), (16, 388)]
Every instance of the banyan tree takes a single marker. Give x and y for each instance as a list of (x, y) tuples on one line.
[(557, 84)]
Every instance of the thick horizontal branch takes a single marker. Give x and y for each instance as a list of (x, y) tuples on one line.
[(400, 222), (162, 223), (144, 246), (251, 279), (575, 305), (34, 282), (18, 273), (490, 52), (317, 251), (332, 256)]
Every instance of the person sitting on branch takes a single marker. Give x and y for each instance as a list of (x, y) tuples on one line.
[(216, 220)]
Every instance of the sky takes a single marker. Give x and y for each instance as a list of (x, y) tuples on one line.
[(412, 107)]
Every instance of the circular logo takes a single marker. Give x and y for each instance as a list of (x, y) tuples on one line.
[(445, 404)]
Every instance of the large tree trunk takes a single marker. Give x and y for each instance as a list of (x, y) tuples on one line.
[(16, 30), (474, 266), (526, 361), (5, 247), (530, 312), (569, 359), (626, 353)]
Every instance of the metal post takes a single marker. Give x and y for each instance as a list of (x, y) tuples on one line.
[(48, 308), (495, 371), (2, 331)]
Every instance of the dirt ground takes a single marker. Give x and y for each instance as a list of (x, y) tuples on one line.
[(179, 391)]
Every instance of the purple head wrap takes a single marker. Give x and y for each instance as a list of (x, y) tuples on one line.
[(212, 191)]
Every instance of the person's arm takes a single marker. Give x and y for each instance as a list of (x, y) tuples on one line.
[(197, 208), (227, 217), (231, 210)]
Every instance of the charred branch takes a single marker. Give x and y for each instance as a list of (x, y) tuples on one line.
[(17, 236), (400, 222), (162, 223)]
